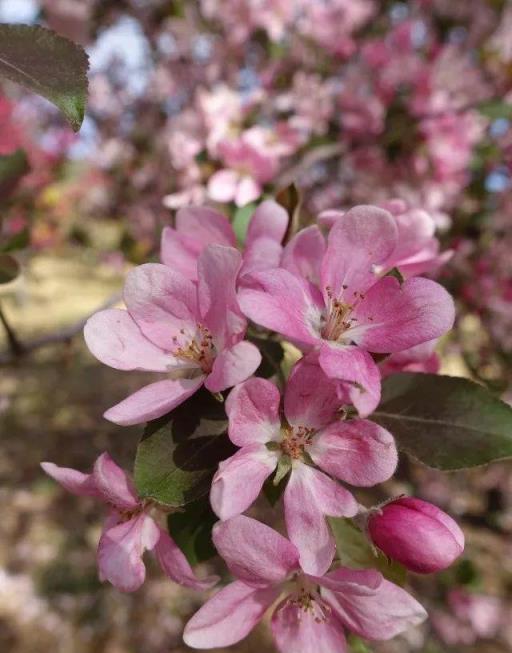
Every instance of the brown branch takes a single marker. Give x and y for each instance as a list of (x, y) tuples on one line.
[(310, 158), (15, 346), (61, 335)]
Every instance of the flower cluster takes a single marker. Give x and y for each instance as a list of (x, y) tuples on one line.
[(328, 291)]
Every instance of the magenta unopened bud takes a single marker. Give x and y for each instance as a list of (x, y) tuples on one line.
[(417, 534)]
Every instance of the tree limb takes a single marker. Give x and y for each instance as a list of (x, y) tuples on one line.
[(61, 335)]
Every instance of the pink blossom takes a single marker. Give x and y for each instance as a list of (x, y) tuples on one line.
[(197, 227), (193, 333), (331, 23), (353, 311), (248, 167), (417, 248), (449, 140), (315, 609), (472, 616), (416, 533), (129, 530), (307, 427)]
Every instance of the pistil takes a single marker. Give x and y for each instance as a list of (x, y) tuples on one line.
[(199, 350)]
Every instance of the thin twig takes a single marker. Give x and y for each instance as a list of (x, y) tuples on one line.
[(310, 158), (15, 346), (62, 335)]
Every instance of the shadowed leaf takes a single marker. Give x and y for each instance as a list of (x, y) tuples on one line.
[(12, 167), (445, 422), (179, 453), (9, 268), (192, 530), (354, 550)]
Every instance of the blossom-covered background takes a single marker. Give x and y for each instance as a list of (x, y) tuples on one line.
[(225, 102)]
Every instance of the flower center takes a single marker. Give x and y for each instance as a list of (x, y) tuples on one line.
[(295, 439), (338, 315), (308, 600), (125, 514), (199, 350), (338, 312)]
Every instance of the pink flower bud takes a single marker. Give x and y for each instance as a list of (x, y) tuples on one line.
[(417, 534)]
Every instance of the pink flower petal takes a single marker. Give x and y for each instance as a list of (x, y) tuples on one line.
[(253, 411), (360, 239), (162, 302), (426, 261), (381, 614), (309, 496), (233, 366), (328, 217), (229, 616), (310, 397), (303, 255), (269, 220), (239, 479), (175, 565), (282, 302), (259, 255), (217, 269), (113, 483), (305, 631), (72, 480), (358, 582), (115, 339), (120, 552), (355, 367), (248, 190), (358, 452), (152, 401), (206, 226), (415, 230), (255, 553), (222, 185), (180, 252), (393, 317)]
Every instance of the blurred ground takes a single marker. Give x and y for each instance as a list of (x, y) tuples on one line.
[(50, 408)]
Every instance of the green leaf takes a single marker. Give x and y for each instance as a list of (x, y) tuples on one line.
[(357, 645), (395, 272), (179, 453), (354, 550), (9, 268), (12, 168), (241, 220), (191, 529), (272, 354), (445, 422), (284, 467), (272, 491), (47, 64), (495, 109), (18, 241)]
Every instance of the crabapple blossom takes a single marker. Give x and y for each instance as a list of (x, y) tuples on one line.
[(416, 533), (129, 530), (193, 333), (353, 311), (417, 249), (314, 611), (198, 227), (305, 429), (248, 166)]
